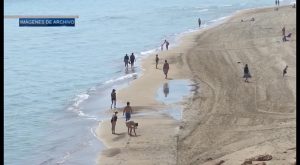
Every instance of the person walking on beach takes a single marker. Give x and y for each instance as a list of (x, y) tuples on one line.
[(246, 73), (126, 60), (199, 22), (132, 60), (113, 98), (276, 2), (283, 31), (113, 121), (131, 125), (127, 111), (284, 71), (166, 68), (156, 60)]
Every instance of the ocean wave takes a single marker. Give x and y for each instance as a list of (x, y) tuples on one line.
[(149, 51), (218, 19), (128, 76), (202, 10)]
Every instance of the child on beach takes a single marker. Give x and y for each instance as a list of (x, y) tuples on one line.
[(166, 68), (113, 121), (284, 71), (246, 73), (156, 60), (131, 125), (127, 111)]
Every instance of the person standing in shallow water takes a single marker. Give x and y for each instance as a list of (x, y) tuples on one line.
[(126, 60), (156, 60), (132, 60), (199, 22), (246, 73), (113, 98), (166, 68)]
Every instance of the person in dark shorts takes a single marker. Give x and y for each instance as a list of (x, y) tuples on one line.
[(113, 98), (127, 111), (166, 68), (132, 60), (126, 60), (246, 73), (284, 71), (113, 121), (156, 60)]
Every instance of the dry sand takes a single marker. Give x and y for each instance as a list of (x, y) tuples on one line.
[(225, 118)]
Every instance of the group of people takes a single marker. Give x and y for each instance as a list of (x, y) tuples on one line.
[(130, 124), (162, 45), (129, 60)]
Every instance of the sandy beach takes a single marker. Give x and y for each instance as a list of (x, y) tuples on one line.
[(225, 119)]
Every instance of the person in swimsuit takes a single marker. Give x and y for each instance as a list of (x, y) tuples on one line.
[(127, 111), (199, 22), (113, 121)]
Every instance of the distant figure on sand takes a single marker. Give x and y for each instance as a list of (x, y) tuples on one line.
[(156, 60), (166, 68), (283, 31), (113, 121), (131, 125), (132, 59), (246, 73), (284, 71), (276, 2), (252, 19), (127, 110), (199, 22), (126, 60), (167, 45), (113, 98)]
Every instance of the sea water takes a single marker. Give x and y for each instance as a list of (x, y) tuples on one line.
[(57, 80)]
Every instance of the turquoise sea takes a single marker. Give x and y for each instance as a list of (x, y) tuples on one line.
[(57, 80)]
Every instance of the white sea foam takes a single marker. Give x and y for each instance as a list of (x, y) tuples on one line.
[(150, 51), (121, 78), (202, 10)]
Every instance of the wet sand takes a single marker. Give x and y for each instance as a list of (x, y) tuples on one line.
[(225, 118)]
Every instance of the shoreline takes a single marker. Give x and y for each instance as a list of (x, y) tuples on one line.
[(146, 100)]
